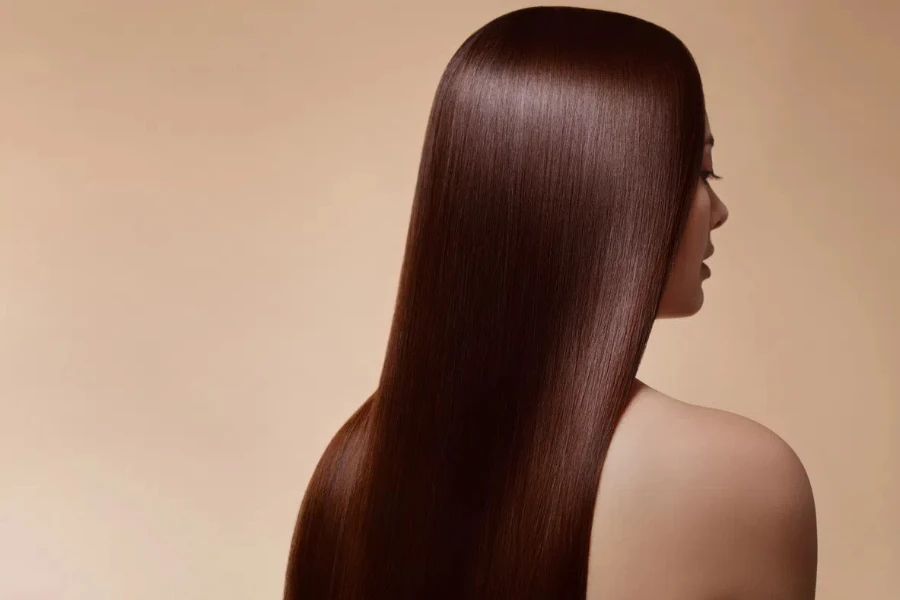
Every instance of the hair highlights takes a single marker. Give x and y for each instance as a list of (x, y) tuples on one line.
[(560, 159)]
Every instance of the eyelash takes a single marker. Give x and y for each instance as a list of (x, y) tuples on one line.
[(707, 175)]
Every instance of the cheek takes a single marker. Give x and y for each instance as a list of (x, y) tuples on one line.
[(696, 236), (683, 294)]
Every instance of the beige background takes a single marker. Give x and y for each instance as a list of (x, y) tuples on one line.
[(202, 212)]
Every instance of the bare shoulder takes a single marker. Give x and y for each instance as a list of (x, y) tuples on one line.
[(708, 501)]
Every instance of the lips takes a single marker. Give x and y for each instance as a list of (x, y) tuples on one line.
[(712, 251)]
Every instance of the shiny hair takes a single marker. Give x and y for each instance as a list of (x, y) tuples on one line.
[(560, 160)]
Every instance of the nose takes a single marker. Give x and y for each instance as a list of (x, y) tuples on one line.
[(719, 212)]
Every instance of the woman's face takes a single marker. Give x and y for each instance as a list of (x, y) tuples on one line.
[(683, 294)]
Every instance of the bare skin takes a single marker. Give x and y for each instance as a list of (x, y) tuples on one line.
[(717, 506), (683, 295)]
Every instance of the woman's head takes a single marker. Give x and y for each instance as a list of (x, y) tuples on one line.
[(683, 293), (563, 158)]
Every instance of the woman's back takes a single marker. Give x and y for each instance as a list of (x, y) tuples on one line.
[(700, 503), (717, 506)]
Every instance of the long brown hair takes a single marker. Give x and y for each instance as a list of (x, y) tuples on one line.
[(561, 155)]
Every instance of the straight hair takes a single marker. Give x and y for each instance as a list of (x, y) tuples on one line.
[(561, 155)]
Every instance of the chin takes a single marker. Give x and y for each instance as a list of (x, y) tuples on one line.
[(695, 308), (697, 303), (685, 307)]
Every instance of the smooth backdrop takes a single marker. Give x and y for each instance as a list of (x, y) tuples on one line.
[(203, 207)]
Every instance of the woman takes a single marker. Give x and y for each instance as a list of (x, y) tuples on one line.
[(563, 203)]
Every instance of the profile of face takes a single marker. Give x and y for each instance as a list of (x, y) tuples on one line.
[(683, 293)]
